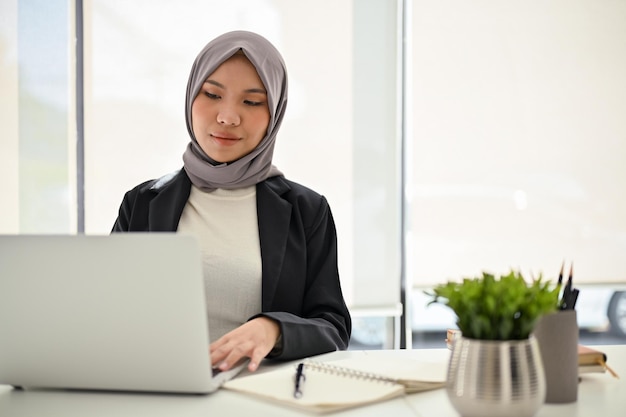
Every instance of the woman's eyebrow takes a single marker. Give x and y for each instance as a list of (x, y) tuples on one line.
[(249, 90)]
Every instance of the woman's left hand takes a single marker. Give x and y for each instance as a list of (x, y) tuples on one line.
[(253, 339)]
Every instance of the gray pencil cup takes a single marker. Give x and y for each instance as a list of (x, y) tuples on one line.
[(557, 335)]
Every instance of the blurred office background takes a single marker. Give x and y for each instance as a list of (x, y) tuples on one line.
[(450, 137)]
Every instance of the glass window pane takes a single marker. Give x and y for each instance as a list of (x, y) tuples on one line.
[(9, 148), (136, 73), (518, 140), (519, 127), (37, 151)]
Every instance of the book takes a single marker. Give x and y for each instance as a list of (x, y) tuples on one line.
[(342, 384), (591, 369), (591, 360)]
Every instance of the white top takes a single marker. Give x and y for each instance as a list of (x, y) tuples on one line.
[(225, 224)]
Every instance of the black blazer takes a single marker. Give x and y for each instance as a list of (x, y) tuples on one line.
[(300, 280)]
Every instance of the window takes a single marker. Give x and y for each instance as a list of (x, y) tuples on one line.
[(136, 74), (518, 153), (505, 123), (37, 173)]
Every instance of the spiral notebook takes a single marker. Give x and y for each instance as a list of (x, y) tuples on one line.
[(342, 384)]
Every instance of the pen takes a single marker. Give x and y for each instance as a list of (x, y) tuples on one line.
[(568, 286), (570, 295), (573, 299), (561, 274), (559, 301), (299, 378)]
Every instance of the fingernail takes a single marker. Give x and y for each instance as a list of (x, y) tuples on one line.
[(223, 366), (253, 366)]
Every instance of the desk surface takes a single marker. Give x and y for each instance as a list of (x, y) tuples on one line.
[(599, 395)]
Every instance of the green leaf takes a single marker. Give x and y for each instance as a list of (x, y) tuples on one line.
[(497, 308)]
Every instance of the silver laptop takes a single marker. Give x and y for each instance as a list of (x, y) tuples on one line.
[(124, 312)]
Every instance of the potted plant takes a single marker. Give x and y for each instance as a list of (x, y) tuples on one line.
[(492, 308), (495, 368)]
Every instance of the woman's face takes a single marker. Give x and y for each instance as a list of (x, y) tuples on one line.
[(230, 114)]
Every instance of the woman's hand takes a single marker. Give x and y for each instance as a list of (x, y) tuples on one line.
[(253, 339)]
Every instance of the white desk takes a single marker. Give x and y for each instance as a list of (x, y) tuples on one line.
[(599, 395)]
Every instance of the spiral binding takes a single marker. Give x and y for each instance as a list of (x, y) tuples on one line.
[(329, 368)]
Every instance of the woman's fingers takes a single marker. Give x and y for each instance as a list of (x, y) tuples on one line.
[(253, 339)]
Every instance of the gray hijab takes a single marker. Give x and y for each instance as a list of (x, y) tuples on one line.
[(256, 166)]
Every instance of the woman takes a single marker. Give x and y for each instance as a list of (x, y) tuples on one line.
[(269, 244)]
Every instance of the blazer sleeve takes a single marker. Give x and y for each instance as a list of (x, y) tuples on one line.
[(323, 323), (133, 211), (122, 223)]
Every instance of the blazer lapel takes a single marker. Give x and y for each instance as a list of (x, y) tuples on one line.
[(274, 214), (167, 207)]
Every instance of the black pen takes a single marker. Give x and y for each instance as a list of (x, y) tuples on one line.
[(559, 302), (570, 294), (561, 274), (298, 379), (568, 286), (574, 298)]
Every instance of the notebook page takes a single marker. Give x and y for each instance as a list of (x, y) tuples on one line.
[(322, 392)]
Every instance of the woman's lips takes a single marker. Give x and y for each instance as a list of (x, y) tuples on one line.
[(224, 139)]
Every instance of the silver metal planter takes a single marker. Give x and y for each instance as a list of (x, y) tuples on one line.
[(496, 378)]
